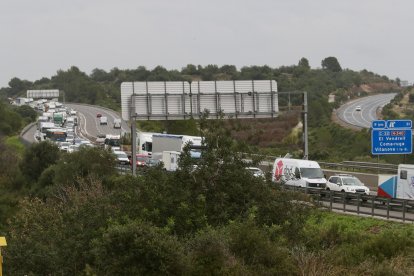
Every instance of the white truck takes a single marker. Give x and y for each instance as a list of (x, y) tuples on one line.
[(398, 186), (144, 142), (170, 160), (297, 172)]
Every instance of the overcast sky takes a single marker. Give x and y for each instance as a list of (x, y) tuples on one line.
[(37, 38)]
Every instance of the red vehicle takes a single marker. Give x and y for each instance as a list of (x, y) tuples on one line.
[(99, 115), (142, 160)]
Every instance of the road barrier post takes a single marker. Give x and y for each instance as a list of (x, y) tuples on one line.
[(404, 207), (358, 202), (330, 200), (372, 206), (388, 208), (344, 201)]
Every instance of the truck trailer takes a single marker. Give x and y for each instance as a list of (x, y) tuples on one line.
[(398, 186)]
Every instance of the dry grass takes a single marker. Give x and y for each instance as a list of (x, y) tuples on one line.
[(264, 132)]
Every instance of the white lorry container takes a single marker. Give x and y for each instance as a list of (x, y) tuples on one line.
[(170, 160), (398, 186), (169, 142), (297, 172)]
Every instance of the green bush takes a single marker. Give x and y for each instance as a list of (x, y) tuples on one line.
[(138, 248)]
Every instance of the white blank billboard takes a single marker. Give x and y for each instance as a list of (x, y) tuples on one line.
[(43, 94), (182, 100)]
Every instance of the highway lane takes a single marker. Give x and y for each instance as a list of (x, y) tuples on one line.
[(368, 113), (91, 124), (29, 134)]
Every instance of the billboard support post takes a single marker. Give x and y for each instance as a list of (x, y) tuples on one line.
[(305, 125)]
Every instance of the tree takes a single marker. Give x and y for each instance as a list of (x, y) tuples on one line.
[(86, 162), (27, 113), (303, 62), (331, 64), (37, 158)]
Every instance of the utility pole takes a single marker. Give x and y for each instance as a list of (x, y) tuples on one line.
[(305, 126), (132, 121)]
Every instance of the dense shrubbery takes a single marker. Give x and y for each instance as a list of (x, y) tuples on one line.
[(212, 220), (80, 217)]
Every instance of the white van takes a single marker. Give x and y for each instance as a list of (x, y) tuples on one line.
[(117, 123), (297, 172), (103, 120)]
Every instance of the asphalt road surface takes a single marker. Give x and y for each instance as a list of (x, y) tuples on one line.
[(90, 124), (368, 113)]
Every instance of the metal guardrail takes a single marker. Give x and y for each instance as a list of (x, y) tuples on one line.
[(361, 167), (389, 208)]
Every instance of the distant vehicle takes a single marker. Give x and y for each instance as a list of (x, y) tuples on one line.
[(114, 149), (98, 115), (122, 157), (112, 141), (64, 146), (170, 160), (298, 172), (153, 162), (73, 148), (142, 160), (117, 123), (70, 137), (358, 108), (257, 172), (100, 139), (59, 118), (103, 120), (346, 183), (56, 134)]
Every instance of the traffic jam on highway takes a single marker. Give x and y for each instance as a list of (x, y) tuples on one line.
[(59, 124)]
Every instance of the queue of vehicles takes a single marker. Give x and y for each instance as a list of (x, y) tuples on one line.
[(58, 123)]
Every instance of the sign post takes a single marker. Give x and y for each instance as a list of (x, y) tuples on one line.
[(391, 137)]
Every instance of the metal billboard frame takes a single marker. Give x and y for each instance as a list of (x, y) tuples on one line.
[(183, 100)]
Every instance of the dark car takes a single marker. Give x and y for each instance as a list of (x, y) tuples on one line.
[(142, 160), (99, 115), (153, 162)]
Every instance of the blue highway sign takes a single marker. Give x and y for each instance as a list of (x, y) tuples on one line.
[(391, 141), (379, 124), (399, 124)]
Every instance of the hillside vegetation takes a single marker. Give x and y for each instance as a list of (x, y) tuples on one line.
[(75, 213), (273, 137)]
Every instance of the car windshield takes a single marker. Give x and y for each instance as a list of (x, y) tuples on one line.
[(254, 170), (153, 161), (141, 159), (351, 181), (121, 155), (311, 172)]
